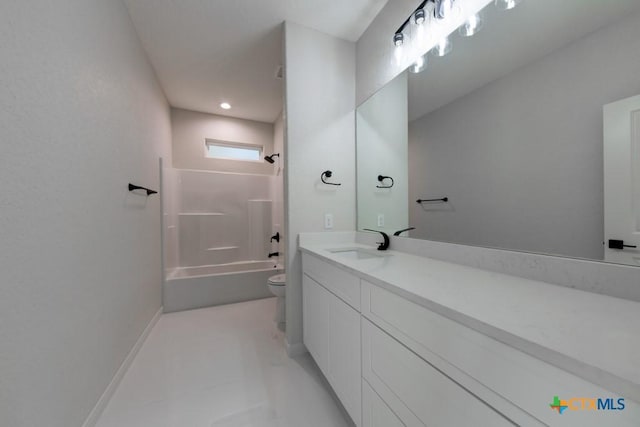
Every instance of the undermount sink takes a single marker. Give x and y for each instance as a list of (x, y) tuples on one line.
[(356, 253)]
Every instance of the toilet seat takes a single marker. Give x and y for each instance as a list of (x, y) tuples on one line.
[(277, 280)]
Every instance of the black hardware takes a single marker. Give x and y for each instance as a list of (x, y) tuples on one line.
[(404, 24), (137, 187), (619, 244), (438, 13), (328, 175), (382, 246), (270, 158), (399, 232), (272, 254), (444, 200), (382, 178), (275, 237)]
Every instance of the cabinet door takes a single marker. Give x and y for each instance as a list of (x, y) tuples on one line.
[(344, 361), (376, 413), (337, 281), (315, 309)]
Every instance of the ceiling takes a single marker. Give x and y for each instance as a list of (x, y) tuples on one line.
[(509, 40), (206, 52)]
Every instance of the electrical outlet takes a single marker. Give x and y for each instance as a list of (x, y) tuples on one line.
[(328, 221), (380, 220)]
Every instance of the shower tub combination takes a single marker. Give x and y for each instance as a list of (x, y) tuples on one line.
[(186, 288), (218, 244)]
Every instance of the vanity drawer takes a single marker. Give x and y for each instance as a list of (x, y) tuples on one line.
[(343, 284), (516, 384), (414, 390)]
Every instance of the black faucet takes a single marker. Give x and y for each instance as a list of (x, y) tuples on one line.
[(399, 232), (272, 254), (275, 237), (382, 246)]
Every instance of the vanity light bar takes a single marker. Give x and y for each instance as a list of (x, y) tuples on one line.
[(419, 16), (442, 10)]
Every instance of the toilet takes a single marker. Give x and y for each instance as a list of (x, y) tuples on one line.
[(276, 285)]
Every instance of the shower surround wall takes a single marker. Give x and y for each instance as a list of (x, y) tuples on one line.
[(220, 214), (221, 218), (218, 227)]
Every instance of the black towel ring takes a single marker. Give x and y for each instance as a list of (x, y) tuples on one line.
[(381, 178), (327, 174)]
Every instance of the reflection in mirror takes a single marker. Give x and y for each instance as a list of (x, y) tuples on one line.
[(383, 143), (510, 127)]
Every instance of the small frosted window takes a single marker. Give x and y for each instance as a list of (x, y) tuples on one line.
[(233, 151)]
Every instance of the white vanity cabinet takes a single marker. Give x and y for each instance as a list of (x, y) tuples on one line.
[(433, 371), (394, 362), (332, 330), (417, 392)]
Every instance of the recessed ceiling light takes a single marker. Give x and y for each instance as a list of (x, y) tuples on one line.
[(225, 105)]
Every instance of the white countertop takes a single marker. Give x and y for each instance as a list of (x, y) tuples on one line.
[(593, 336)]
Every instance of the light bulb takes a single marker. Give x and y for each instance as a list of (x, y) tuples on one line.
[(443, 47), (398, 39), (419, 65), (419, 17), (507, 4), (225, 105), (445, 9), (472, 25)]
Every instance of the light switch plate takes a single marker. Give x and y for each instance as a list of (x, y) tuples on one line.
[(380, 220)]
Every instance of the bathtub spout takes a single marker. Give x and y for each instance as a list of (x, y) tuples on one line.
[(272, 254)]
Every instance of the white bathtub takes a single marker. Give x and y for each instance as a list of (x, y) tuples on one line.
[(186, 288)]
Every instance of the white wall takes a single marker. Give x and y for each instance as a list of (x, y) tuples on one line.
[(521, 158), (382, 144), (190, 129), (320, 135), (81, 115)]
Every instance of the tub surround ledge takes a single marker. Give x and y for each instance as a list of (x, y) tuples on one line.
[(571, 329), (188, 288)]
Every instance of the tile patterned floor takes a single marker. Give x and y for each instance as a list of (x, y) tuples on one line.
[(221, 367)]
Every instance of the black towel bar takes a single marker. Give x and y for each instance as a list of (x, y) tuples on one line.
[(443, 200), (137, 187)]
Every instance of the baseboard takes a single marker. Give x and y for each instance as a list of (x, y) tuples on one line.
[(294, 350), (97, 410)]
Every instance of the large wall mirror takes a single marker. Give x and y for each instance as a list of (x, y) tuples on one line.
[(525, 136)]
